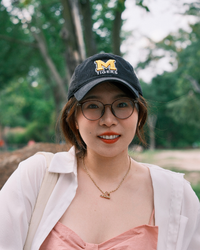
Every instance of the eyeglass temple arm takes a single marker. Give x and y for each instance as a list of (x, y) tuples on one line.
[(137, 105)]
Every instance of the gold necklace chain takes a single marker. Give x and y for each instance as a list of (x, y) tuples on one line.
[(106, 194)]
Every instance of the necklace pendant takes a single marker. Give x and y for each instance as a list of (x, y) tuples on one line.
[(105, 195)]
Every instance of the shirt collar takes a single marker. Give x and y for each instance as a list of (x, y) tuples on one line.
[(64, 162)]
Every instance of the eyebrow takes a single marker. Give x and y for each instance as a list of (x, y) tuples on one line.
[(98, 97)]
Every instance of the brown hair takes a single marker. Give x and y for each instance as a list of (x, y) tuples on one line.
[(71, 133)]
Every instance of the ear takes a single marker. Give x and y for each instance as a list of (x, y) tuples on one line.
[(139, 123), (76, 123)]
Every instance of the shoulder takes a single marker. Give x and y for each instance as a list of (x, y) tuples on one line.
[(176, 204), (34, 164), (23, 185), (60, 162), (31, 172), (190, 203), (159, 173), (176, 185)]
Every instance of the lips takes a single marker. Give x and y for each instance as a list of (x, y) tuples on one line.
[(109, 137)]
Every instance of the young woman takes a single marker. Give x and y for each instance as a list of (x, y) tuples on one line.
[(103, 199)]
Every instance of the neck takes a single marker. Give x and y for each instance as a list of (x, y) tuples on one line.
[(107, 168)]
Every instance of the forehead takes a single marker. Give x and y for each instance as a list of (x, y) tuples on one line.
[(107, 87)]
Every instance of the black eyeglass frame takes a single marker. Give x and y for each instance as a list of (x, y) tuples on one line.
[(135, 105)]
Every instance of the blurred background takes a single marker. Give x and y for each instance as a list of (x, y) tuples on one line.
[(43, 41)]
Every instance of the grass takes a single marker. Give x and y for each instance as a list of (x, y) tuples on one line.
[(196, 189)]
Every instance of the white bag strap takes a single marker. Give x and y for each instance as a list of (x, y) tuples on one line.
[(48, 184)]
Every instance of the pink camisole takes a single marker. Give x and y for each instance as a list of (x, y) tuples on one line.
[(143, 237)]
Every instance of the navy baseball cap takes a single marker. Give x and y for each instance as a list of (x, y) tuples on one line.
[(101, 68)]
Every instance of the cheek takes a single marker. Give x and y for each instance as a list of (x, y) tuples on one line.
[(132, 124), (86, 134), (85, 127)]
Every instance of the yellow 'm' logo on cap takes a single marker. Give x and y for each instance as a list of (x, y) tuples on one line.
[(105, 67), (110, 63)]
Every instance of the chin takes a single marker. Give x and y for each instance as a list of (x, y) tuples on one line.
[(109, 153)]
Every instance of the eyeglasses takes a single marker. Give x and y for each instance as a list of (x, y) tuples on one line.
[(121, 108)]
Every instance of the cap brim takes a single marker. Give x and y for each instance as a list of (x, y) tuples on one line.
[(79, 95)]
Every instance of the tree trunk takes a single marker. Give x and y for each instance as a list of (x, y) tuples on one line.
[(58, 107), (152, 123), (116, 29), (72, 36), (50, 64), (78, 28), (90, 43)]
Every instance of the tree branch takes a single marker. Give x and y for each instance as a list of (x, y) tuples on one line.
[(194, 83), (14, 40), (50, 64)]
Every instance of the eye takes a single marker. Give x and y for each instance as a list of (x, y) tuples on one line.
[(91, 105), (123, 104)]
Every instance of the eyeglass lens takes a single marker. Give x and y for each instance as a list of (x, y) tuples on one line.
[(121, 108)]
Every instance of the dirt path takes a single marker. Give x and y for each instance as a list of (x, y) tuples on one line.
[(180, 159), (187, 161), (10, 160)]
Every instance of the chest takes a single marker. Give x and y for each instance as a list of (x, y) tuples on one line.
[(97, 219)]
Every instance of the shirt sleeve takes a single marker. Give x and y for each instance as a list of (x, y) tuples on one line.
[(17, 201), (195, 240), (191, 208)]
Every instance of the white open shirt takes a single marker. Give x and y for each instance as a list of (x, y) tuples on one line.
[(177, 209)]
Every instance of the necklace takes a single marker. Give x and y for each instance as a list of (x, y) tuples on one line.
[(106, 194)]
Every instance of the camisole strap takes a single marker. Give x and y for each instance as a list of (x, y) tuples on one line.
[(152, 215)]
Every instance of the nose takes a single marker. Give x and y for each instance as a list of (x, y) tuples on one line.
[(108, 119)]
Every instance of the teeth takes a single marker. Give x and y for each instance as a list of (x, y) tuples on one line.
[(109, 137)]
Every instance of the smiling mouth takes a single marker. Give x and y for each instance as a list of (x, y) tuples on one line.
[(109, 137)]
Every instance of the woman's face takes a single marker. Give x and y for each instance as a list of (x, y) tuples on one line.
[(109, 135)]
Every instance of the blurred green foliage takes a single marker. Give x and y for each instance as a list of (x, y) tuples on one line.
[(28, 96), (35, 42), (22, 105), (196, 189), (175, 96)]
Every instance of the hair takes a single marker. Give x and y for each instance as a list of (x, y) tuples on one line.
[(72, 135)]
